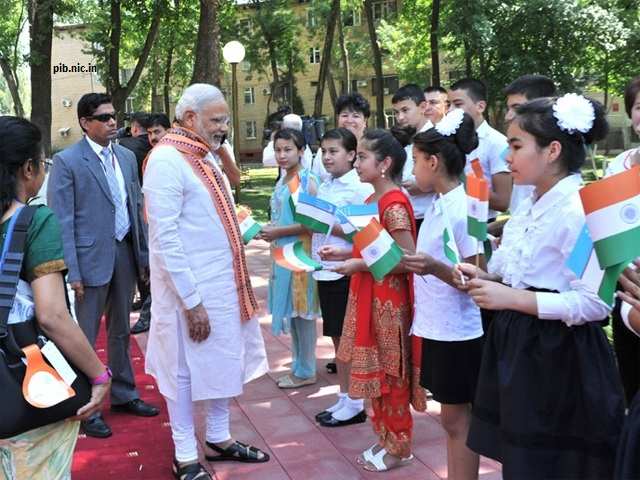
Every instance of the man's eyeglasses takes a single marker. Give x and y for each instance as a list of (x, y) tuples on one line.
[(103, 117), (48, 163)]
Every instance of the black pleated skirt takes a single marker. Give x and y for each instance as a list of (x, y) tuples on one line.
[(628, 458), (549, 402)]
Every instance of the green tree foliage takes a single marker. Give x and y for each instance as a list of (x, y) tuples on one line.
[(12, 21)]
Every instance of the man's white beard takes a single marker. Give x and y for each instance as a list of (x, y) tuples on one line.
[(214, 142)]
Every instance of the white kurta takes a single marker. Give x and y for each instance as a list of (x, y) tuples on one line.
[(191, 262)]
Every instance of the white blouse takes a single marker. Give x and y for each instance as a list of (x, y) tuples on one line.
[(536, 243), (442, 312)]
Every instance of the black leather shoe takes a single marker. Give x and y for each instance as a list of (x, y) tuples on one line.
[(331, 367), (142, 325), (136, 407), (332, 422), (323, 414), (95, 427)]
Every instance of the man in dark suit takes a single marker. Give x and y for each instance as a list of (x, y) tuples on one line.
[(94, 190), (138, 141)]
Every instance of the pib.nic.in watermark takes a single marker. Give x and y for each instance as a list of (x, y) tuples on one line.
[(77, 68)]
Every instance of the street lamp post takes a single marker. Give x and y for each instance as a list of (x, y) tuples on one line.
[(233, 53)]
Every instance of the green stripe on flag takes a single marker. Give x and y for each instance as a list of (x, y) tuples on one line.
[(450, 253), (618, 248), (477, 229), (301, 254), (312, 223), (386, 263), (607, 289), (251, 232)]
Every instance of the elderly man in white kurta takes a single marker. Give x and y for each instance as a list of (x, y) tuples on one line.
[(205, 342)]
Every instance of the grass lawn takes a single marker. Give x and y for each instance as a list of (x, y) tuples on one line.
[(256, 189)]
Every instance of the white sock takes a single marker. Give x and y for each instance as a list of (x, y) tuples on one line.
[(350, 408), (338, 405)]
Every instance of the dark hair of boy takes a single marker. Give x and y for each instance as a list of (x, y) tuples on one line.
[(403, 134), (410, 91), (432, 89), (290, 134), (347, 139), (353, 102), (89, 103), (452, 149), (141, 118), (384, 145), (531, 86), (476, 89), (631, 94), (537, 118), (160, 119)]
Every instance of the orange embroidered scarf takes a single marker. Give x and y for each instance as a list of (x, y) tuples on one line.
[(194, 149)]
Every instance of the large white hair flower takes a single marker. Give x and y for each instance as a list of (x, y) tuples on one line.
[(574, 113), (450, 123)]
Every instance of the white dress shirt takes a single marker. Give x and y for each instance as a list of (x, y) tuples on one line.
[(491, 146), (341, 191), (443, 312), (535, 245), (422, 201), (116, 165)]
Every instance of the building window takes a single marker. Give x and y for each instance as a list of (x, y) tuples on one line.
[(314, 55), (389, 118), (245, 66), (246, 24), (352, 18), (250, 130), (128, 105), (311, 18), (384, 9), (249, 96), (390, 85)]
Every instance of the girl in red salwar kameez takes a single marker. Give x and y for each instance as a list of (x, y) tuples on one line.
[(375, 336)]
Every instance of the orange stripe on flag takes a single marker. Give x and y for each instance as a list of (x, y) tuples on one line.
[(478, 188), (368, 234), (242, 215), (279, 258), (477, 168), (610, 190)]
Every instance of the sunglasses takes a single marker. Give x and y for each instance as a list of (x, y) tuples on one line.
[(103, 117)]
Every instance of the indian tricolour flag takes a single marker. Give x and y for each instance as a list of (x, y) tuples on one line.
[(294, 189), (249, 228), (361, 215), (449, 241), (315, 213), (378, 249), (293, 257), (612, 209), (477, 204), (583, 261)]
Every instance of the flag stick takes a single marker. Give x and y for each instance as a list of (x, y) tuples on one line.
[(477, 257), (328, 234)]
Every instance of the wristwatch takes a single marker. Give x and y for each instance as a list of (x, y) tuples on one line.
[(104, 378)]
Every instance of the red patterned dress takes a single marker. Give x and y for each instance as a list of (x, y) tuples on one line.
[(384, 358)]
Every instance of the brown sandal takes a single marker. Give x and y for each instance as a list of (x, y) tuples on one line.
[(237, 452)]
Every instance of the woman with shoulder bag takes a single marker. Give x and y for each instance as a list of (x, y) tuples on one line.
[(47, 451)]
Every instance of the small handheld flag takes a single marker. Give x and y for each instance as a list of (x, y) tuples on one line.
[(293, 257), (378, 249), (583, 262), (317, 214), (449, 241), (294, 190), (477, 203), (249, 228), (612, 209), (347, 227), (360, 215)]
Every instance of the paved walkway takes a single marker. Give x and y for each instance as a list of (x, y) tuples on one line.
[(282, 421)]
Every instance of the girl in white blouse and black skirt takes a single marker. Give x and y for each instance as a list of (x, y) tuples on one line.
[(549, 402)]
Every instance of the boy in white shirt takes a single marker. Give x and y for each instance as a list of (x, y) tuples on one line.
[(409, 107), (470, 95)]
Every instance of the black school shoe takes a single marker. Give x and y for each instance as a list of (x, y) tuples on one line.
[(332, 422), (95, 427), (136, 407)]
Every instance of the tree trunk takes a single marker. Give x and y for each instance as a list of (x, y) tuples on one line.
[(468, 59), (120, 93), (331, 83), (206, 68), (325, 61), (435, 53), (346, 68), (166, 87), (12, 83), (41, 36), (377, 63)]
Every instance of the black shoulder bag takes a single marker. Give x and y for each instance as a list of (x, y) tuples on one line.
[(18, 415)]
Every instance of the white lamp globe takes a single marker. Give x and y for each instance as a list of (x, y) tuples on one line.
[(233, 52)]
